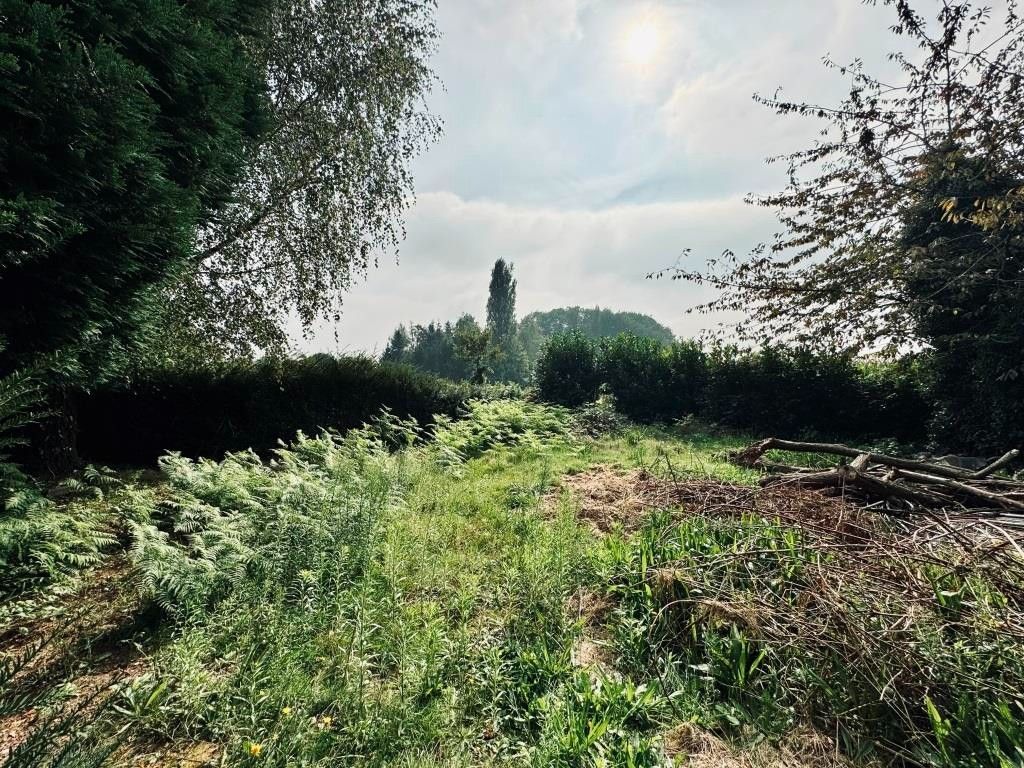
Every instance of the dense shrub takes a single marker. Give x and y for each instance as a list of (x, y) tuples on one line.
[(782, 390), (774, 390), (978, 392), (567, 371), (637, 373), (688, 367), (250, 405)]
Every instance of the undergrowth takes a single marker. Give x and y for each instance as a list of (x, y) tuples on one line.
[(403, 596)]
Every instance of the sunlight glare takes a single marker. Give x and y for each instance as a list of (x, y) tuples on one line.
[(641, 43)]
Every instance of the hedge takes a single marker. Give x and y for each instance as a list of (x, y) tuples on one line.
[(207, 412), (775, 390)]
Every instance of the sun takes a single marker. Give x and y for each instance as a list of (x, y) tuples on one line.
[(641, 43)]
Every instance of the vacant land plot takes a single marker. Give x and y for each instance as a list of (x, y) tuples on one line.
[(514, 588)]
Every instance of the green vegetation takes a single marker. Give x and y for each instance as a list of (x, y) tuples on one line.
[(396, 596), (206, 411), (504, 350), (567, 370), (595, 324), (775, 390), (123, 131), (902, 225), (563, 569)]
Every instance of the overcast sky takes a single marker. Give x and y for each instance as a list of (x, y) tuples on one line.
[(592, 141)]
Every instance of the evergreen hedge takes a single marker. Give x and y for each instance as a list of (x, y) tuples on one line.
[(775, 390), (252, 405)]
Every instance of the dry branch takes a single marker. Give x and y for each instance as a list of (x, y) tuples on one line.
[(910, 484)]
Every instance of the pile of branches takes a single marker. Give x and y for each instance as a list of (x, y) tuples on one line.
[(892, 483)]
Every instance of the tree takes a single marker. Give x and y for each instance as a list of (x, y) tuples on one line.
[(398, 346), (473, 346), (124, 127), (509, 361), (326, 188), (838, 272), (902, 225), (595, 324), (567, 369)]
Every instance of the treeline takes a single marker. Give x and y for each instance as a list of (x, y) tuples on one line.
[(774, 390), (504, 349)]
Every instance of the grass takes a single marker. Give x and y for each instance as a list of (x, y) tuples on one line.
[(353, 603)]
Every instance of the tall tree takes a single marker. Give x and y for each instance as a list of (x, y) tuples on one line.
[(902, 225), (509, 360), (326, 188), (123, 128), (594, 323)]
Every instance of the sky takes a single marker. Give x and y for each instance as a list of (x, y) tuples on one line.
[(590, 142)]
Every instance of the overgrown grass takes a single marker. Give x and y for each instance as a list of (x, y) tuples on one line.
[(404, 597)]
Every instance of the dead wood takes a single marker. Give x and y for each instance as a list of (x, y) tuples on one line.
[(879, 478)]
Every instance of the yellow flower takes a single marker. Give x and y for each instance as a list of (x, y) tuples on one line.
[(286, 711), (325, 722), (255, 749)]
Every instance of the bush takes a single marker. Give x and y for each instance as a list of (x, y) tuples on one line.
[(206, 412), (638, 375), (774, 390), (567, 371)]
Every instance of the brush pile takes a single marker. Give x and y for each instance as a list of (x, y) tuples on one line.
[(891, 483)]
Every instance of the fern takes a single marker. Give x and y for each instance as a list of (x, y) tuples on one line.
[(302, 521), (38, 538)]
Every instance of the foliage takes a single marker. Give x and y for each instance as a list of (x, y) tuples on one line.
[(598, 721), (774, 390), (397, 346), (567, 369), (508, 359), (432, 348), (355, 599), (321, 611), (325, 189), (488, 424), (124, 128), (38, 538), (464, 350), (871, 208), (595, 324), (902, 224), (298, 524), (208, 411), (638, 375)]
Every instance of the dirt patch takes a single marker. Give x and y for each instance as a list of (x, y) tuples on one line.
[(607, 498), (593, 648), (84, 641), (690, 745)]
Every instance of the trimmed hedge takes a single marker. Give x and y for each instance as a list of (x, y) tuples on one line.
[(775, 390), (252, 405), (566, 370)]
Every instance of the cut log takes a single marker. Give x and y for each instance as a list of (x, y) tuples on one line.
[(830, 478), (874, 476)]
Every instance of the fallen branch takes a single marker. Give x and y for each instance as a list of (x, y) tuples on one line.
[(876, 477)]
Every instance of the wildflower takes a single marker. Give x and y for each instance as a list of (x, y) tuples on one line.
[(325, 722), (286, 711), (255, 749)]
